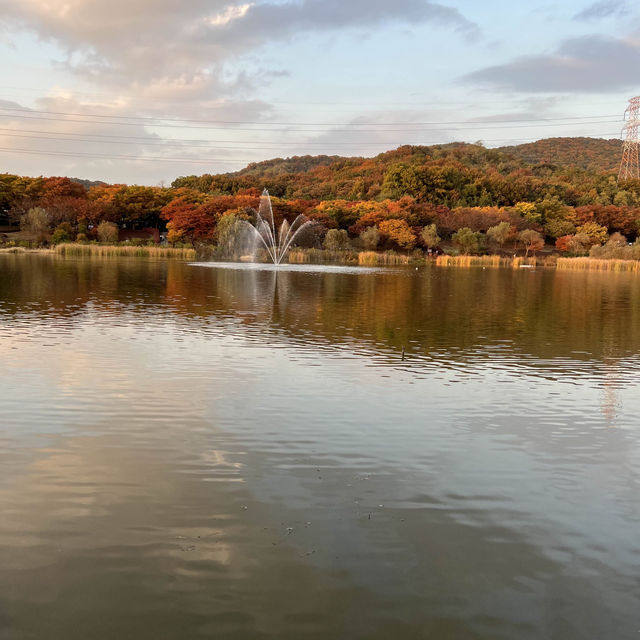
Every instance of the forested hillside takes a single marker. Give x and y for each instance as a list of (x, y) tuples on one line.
[(578, 171), (562, 191)]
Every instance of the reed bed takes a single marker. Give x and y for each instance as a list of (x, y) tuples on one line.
[(388, 258), (485, 261), (100, 250), (321, 256), (596, 264)]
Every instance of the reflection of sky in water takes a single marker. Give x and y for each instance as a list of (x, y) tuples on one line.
[(489, 478)]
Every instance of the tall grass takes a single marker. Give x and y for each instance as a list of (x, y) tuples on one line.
[(373, 258), (347, 256), (73, 249), (485, 261), (310, 256), (596, 264)]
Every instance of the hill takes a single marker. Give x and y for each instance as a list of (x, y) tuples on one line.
[(586, 153), (456, 174)]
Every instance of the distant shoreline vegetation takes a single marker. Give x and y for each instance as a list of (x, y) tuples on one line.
[(557, 197), (343, 257)]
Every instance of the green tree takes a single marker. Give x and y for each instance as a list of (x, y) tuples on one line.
[(336, 240), (429, 236), (499, 233), (467, 240), (232, 234), (62, 233)]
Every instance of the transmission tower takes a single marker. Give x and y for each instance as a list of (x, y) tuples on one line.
[(629, 166)]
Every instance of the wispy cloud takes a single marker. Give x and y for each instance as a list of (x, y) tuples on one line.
[(604, 9), (592, 64)]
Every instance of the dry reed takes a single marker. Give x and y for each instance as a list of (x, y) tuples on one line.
[(485, 261), (72, 249), (595, 264)]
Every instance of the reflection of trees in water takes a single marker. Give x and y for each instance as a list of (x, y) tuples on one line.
[(573, 320)]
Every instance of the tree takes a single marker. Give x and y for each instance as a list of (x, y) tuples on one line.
[(557, 228), (107, 232), (336, 240), (399, 233), (467, 241), (563, 243), (429, 236), (62, 233), (579, 244), (233, 235), (528, 211), (499, 233), (370, 238), (36, 223), (531, 240), (596, 233)]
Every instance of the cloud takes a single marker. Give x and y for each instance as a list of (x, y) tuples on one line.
[(604, 9), (591, 64), (153, 41)]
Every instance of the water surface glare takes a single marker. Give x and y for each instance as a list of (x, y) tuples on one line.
[(241, 452)]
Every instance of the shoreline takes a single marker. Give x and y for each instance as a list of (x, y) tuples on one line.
[(353, 258)]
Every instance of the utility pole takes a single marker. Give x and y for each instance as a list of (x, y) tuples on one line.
[(630, 166)]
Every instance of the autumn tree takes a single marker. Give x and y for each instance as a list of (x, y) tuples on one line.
[(579, 244), (531, 240), (398, 233), (597, 233)]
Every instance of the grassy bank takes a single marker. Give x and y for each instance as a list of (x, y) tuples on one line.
[(73, 249), (24, 250)]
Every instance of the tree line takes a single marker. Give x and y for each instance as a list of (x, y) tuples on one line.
[(462, 196)]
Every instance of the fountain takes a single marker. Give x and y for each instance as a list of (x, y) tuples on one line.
[(277, 243)]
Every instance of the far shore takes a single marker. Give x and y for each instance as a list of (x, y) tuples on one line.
[(345, 257)]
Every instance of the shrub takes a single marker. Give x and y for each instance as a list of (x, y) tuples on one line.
[(370, 238), (336, 240), (107, 232), (62, 233)]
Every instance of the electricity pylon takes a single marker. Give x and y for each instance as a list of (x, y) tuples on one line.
[(630, 166)]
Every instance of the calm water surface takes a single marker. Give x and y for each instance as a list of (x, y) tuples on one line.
[(190, 452)]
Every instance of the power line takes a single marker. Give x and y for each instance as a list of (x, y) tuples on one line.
[(296, 124), (54, 135), (101, 156), (38, 92), (287, 130)]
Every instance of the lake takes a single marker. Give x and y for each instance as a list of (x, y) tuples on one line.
[(193, 451)]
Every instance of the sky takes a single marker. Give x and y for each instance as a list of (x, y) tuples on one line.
[(144, 91)]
